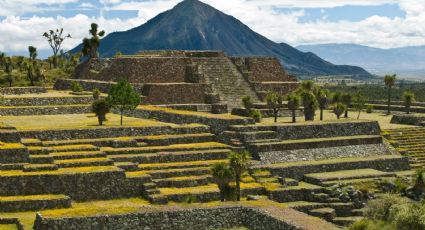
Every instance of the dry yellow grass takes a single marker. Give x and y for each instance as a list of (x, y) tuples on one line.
[(74, 121), (60, 171), (184, 112), (32, 197)]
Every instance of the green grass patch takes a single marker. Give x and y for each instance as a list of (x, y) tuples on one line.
[(32, 197)]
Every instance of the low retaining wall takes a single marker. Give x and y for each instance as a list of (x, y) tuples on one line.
[(323, 130), (79, 186), (105, 132), (34, 205), (44, 101), (322, 153), (14, 155), (44, 110), (90, 85), (258, 218), (408, 119), (22, 90)]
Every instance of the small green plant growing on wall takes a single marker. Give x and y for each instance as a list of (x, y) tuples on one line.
[(247, 103), (76, 87), (256, 115), (123, 97), (100, 108)]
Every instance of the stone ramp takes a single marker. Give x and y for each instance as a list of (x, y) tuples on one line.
[(225, 79)]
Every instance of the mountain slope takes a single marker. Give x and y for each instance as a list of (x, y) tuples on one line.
[(193, 25), (406, 61)]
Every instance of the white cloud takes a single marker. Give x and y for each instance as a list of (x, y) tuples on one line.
[(17, 33)]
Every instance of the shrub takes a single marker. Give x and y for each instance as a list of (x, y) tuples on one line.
[(247, 103), (408, 216), (369, 109), (100, 108), (339, 109), (379, 209), (256, 115), (76, 87), (190, 199), (96, 94)]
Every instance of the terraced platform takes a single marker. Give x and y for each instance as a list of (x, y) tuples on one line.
[(410, 142)]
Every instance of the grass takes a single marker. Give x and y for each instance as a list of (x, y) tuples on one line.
[(191, 113), (82, 160), (329, 116), (176, 146), (61, 171), (4, 145), (32, 197), (346, 174), (70, 147), (75, 121), (177, 164), (202, 189), (8, 227)]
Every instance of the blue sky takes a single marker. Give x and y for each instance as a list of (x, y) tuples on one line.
[(378, 23)]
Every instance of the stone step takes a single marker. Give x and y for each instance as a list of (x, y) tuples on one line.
[(325, 213), (84, 162), (158, 199), (33, 203), (346, 221), (178, 139), (182, 182), (41, 159), (77, 155), (165, 157), (99, 142), (161, 174), (31, 142), (169, 148), (177, 165), (72, 148), (39, 167), (127, 166), (257, 135)]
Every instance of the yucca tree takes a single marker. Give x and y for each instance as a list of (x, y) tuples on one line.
[(308, 99), (239, 162), (91, 45), (8, 69), (339, 109), (20, 62), (55, 39), (31, 64), (336, 97), (322, 99), (293, 105), (222, 176), (2, 59), (359, 103), (274, 102), (346, 100), (408, 99), (389, 82)]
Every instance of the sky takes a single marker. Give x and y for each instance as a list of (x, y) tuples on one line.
[(376, 23)]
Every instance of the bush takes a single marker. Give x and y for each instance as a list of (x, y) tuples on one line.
[(76, 87), (379, 209), (256, 115), (247, 103), (408, 216), (96, 94), (100, 108), (369, 109), (190, 199)]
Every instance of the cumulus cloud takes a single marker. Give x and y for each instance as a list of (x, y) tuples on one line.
[(263, 16)]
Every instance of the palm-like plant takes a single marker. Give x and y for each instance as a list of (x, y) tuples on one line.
[(222, 176), (310, 104), (408, 99), (8, 69), (389, 82), (239, 164), (359, 103), (293, 104), (322, 98), (339, 109), (346, 100)]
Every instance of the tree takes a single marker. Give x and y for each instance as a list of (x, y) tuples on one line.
[(346, 100), (359, 103), (123, 97), (55, 39), (274, 102), (20, 62), (31, 64), (2, 59), (336, 97), (90, 45), (8, 69), (247, 103), (239, 164), (389, 82), (293, 105), (100, 108), (322, 98), (408, 99), (222, 176), (339, 109)]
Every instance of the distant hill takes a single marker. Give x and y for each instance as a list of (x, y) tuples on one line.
[(407, 62), (193, 25)]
